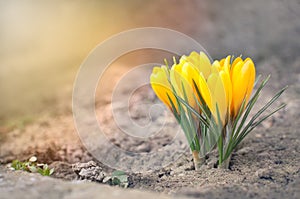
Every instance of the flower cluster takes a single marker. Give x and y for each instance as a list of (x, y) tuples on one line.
[(211, 101)]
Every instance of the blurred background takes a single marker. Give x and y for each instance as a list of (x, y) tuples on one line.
[(43, 43)]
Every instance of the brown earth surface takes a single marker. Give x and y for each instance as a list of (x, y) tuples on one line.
[(266, 164)]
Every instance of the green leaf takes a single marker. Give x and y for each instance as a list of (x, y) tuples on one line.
[(118, 178), (219, 127), (262, 110), (123, 178), (186, 123), (261, 120), (242, 131), (251, 104), (17, 165), (115, 181), (237, 128), (200, 117), (191, 122), (186, 129), (45, 166), (175, 113), (32, 169), (203, 107), (51, 171), (118, 173)]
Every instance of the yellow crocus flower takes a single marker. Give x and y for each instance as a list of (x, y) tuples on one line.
[(243, 77), (223, 67), (200, 62), (238, 81), (181, 77), (223, 84), (187, 73), (214, 94), (218, 94), (210, 80), (161, 86)]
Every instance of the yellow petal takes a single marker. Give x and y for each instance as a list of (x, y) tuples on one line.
[(215, 69), (222, 61), (201, 62), (205, 65), (216, 64), (218, 94), (205, 92), (228, 86), (175, 78), (243, 76), (226, 65), (190, 73), (236, 61), (180, 78), (161, 86), (227, 60), (192, 59), (252, 74)]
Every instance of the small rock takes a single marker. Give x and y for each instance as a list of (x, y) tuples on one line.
[(258, 135), (243, 150), (265, 174), (33, 159), (145, 147), (89, 171), (94, 174), (78, 166), (63, 170)]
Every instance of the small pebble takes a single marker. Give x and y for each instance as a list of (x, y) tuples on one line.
[(33, 159)]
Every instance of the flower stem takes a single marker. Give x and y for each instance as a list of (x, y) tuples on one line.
[(197, 160), (225, 163)]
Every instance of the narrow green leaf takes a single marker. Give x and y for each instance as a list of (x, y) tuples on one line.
[(174, 110), (186, 129), (202, 105), (220, 140), (236, 130), (118, 173), (259, 122), (200, 117), (251, 104), (193, 128), (262, 110), (166, 63)]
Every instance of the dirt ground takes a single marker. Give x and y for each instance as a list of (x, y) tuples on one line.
[(266, 163)]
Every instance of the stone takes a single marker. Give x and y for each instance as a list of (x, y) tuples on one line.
[(20, 184)]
